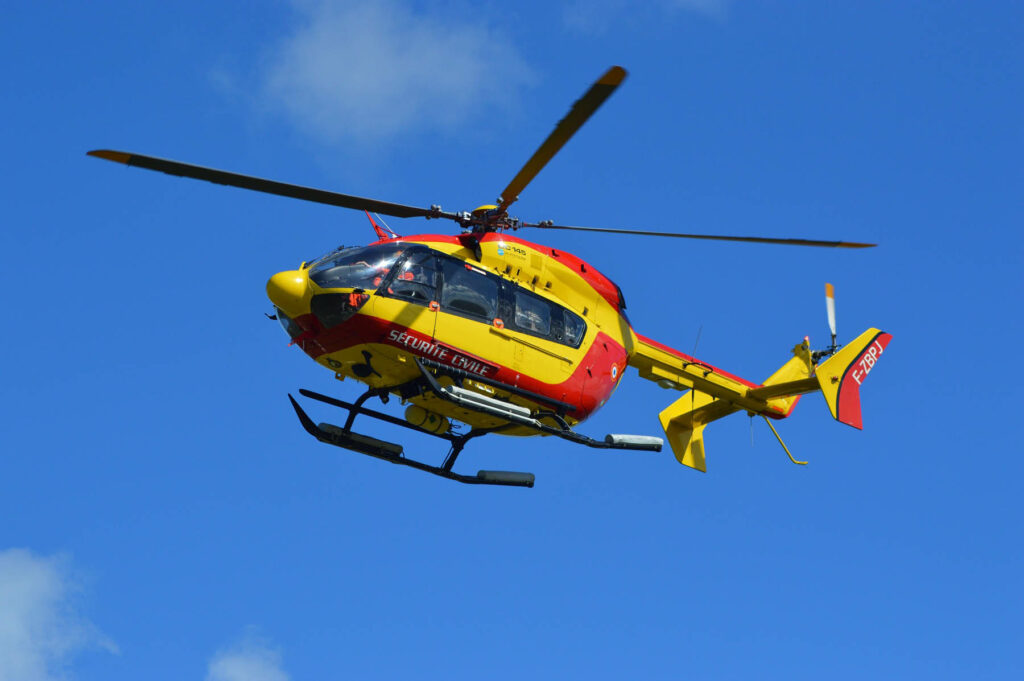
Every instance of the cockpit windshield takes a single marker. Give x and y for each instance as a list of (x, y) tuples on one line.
[(363, 268)]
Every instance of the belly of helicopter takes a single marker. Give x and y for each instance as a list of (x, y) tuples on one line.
[(384, 365)]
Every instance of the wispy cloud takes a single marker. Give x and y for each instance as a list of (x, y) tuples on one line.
[(362, 71), (251, 659), (713, 7), (40, 628), (598, 16)]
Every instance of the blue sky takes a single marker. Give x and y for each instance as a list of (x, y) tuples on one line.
[(165, 516)]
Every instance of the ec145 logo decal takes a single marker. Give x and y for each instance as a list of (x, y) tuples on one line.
[(511, 249)]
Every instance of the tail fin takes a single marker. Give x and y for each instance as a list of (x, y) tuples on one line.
[(841, 375)]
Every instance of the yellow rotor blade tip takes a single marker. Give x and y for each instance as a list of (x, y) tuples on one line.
[(116, 156), (613, 76)]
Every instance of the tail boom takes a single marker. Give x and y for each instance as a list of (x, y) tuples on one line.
[(671, 368)]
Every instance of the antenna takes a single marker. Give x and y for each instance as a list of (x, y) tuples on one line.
[(693, 391), (394, 235)]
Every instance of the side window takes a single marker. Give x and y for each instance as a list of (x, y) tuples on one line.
[(545, 318), (468, 291), (415, 279), (533, 314), (575, 327)]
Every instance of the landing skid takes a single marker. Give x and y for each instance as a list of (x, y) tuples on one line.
[(515, 415), (393, 453)]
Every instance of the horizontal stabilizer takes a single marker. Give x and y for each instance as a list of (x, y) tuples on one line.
[(684, 422)]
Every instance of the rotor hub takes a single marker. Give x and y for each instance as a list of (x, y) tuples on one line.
[(489, 218)]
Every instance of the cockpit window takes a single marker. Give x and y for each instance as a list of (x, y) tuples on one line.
[(416, 278), (287, 323), (574, 329), (363, 268)]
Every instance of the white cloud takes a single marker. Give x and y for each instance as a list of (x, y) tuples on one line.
[(591, 16), (40, 629), (250, 660), (362, 71)]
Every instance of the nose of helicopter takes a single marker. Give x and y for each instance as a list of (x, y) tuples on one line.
[(289, 292)]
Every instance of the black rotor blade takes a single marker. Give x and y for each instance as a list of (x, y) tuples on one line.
[(268, 186), (584, 107), (711, 237)]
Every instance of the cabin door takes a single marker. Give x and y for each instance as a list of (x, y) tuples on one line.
[(468, 330), (408, 304)]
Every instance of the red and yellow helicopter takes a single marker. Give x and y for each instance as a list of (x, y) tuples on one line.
[(509, 337)]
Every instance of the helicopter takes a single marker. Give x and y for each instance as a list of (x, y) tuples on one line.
[(484, 333)]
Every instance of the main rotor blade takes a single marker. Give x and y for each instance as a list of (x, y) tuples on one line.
[(710, 237), (584, 107), (268, 186)]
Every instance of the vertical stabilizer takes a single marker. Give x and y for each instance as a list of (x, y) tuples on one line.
[(841, 376)]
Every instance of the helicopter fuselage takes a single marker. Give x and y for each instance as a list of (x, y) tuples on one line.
[(490, 305)]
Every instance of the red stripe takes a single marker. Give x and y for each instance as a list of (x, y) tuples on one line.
[(693, 360), (848, 400)]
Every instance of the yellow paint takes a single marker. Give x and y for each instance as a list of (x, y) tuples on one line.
[(427, 420), (684, 421), (799, 368), (291, 292)]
